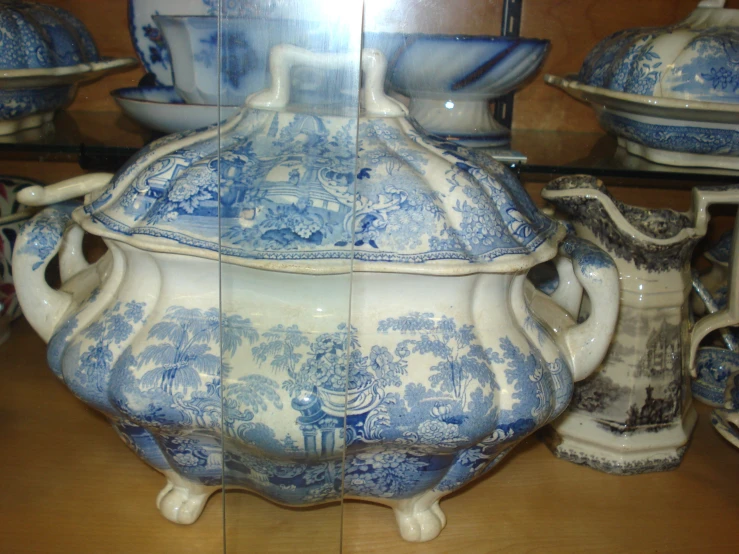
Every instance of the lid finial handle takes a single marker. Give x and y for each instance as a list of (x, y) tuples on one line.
[(284, 57)]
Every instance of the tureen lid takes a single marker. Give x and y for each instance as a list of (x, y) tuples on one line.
[(36, 36), (304, 192)]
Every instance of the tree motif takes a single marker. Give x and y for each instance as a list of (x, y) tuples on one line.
[(114, 327), (184, 350), (463, 360)]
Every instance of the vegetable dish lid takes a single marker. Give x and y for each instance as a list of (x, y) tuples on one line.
[(304, 192), (695, 59), (39, 36)]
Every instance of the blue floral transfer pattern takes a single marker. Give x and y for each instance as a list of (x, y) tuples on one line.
[(296, 400), (46, 232), (37, 36), (675, 138), (292, 188), (17, 103)]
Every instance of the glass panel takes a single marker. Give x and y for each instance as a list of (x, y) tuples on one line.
[(287, 172)]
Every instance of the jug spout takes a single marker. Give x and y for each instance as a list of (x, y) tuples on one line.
[(650, 239)]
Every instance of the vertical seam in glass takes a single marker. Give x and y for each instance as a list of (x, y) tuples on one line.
[(219, 44), (351, 274)]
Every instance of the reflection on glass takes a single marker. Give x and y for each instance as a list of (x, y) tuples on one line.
[(286, 167)]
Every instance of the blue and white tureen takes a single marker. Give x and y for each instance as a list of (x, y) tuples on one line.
[(670, 94), (44, 52), (450, 358)]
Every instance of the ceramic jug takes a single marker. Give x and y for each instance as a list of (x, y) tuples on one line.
[(449, 359), (634, 414)]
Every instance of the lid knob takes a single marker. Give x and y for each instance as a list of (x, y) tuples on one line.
[(284, 57)]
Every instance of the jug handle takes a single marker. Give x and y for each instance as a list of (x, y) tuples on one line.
[(38, 242), (283, 57), (730, 315), (569, 292), (585, 343)]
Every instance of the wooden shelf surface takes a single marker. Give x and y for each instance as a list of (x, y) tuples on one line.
[(70, 485)]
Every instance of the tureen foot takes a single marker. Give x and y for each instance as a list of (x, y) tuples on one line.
[(182, 501), (420, 518)]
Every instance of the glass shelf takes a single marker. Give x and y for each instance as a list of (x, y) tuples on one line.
[(103, 141), (552, 153), (97, 140)]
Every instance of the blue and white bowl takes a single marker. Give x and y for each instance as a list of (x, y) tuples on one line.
[(451, 79), (45, 52)]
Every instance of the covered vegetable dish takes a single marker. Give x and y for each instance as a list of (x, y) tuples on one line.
[(448, 360)]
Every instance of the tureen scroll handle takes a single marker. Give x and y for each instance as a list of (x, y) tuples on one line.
[(37, 244), (283, 57), (702, 199), (71, 258), (64, 190), (585, 344)]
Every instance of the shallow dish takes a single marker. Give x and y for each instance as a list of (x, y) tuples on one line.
[(664, 130), (162, 109), (29, 97), (245, 44)]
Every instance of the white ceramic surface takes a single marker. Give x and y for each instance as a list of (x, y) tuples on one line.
[(162, 109), (635, 413), (455, 357)]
